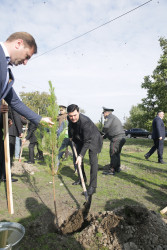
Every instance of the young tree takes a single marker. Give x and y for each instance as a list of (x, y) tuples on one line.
[(51, 143)]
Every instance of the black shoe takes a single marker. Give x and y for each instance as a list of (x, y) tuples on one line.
[(30, 162), (146, 156), (91, 190), (110, 172), (162, 162), (77, 182), (13, 180), (41, 159)]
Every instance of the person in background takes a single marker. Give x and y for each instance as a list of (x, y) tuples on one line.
[(113, 130), (14, 130), (18, 142), (63, 128), (33, 142), (158, 136)]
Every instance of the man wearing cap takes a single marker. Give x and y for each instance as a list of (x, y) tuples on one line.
[(62, 118), (114, 131), (63, 127)]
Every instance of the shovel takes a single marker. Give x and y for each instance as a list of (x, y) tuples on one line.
[(81, 175)]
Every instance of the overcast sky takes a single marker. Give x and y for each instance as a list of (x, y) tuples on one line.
[(103, 68)]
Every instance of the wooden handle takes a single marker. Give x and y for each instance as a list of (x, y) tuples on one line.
[(163, 211), (7, 161), (80, 173)]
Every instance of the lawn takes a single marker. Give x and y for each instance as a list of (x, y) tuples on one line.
[(141, 182)]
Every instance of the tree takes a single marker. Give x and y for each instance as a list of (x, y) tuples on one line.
[(36, 101), (156, 99), (51, 143), (137, 119), (156, 85), (100, 124)]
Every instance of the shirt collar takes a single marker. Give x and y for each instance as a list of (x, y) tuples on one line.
[(5, 52)]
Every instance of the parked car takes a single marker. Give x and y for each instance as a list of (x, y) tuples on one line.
[(138, 132)]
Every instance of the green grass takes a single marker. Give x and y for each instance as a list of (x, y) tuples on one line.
[(142, 182)]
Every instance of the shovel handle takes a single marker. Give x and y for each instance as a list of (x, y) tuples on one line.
[(80, 173), (7, 162)]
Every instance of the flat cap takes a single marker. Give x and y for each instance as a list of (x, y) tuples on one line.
[(62, 106), (107, 109)]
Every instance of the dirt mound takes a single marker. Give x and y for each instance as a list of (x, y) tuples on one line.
[(128, 228), (20, 168), (78, 220)]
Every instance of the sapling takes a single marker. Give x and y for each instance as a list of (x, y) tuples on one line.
[(49, 142)]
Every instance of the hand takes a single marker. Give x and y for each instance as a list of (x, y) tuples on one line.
[(23, 141), (10, 122), (21, 135), (47, 120), (4, 108), (79, 160), (160, 138)]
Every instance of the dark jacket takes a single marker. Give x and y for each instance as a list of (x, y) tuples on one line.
[(10, 95), (113, 127), (31, 132), (85, 134), (16, 128), (158, 128)]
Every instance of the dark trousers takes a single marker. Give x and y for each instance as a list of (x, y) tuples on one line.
[(12, 140), (116, 145), (159, 146), (93, 160), (66, 142), (31, 151), (2, 157)]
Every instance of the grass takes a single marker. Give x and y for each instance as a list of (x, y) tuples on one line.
[(142, 182)]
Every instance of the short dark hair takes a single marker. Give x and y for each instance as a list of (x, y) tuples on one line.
[(72, 108), (28, 39), (159, 112)]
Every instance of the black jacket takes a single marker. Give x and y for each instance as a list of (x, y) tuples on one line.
[(158, 128), (85, 134), (31, 132), (16, 128)]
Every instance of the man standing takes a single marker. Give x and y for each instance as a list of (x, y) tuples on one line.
[(16, 50), (114, 131), (14, 130), (33, 142), (158, 136), (86, 136), (63, 128)]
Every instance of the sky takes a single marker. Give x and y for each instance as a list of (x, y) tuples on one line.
[(103, 68)]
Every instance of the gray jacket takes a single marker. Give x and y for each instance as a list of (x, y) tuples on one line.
[(113, 127)]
